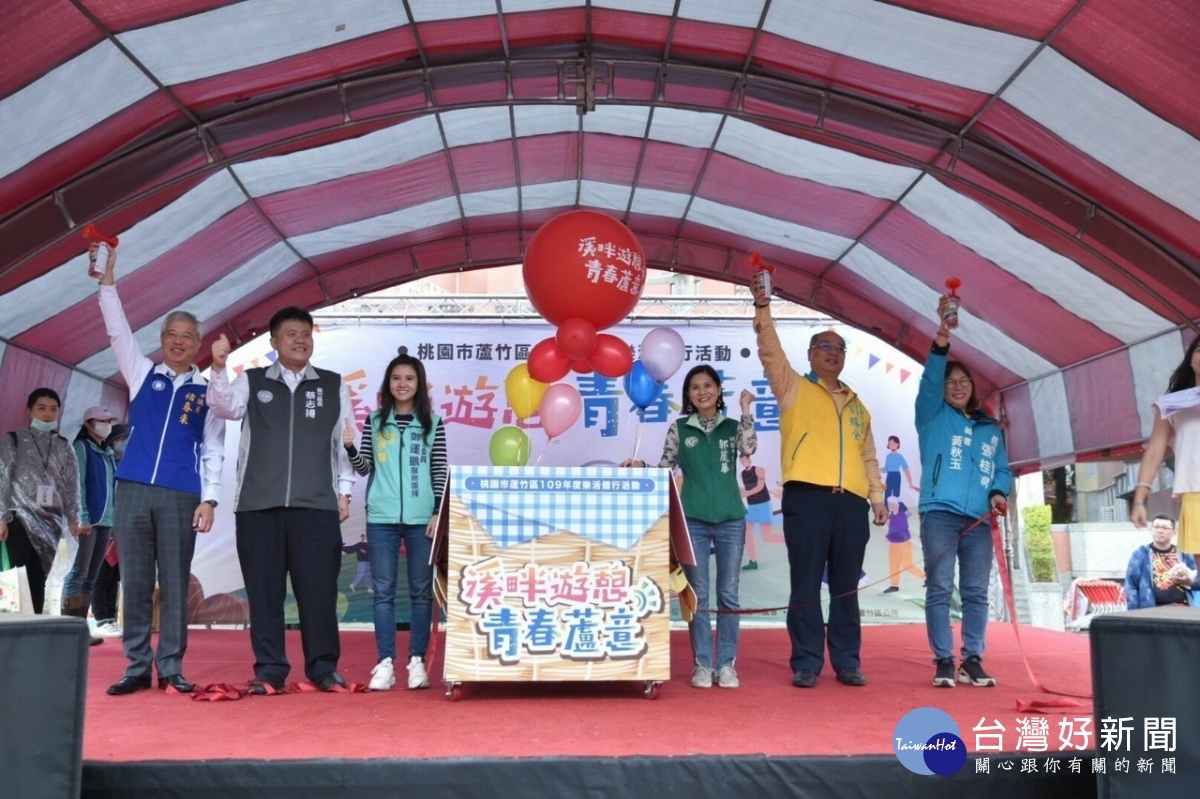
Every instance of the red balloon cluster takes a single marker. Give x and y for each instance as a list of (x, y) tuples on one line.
[(584, 271)]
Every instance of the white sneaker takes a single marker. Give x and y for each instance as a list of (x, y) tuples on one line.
[(701, 676), (383, 676), (727, 678), (109, 629), (417, 678)]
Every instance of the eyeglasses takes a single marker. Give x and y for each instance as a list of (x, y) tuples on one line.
[(1164, 527), (964, 382), (828, 346)]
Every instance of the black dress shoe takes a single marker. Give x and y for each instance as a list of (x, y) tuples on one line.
[(852, 677), (264, 687), (95, 640), (330, 680), (129, 685), (804, 679), (177, 682)]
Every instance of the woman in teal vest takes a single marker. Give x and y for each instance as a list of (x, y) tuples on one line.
[(404, 452), (705, 445)]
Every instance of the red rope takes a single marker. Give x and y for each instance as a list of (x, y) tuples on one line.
[(1006, 582)]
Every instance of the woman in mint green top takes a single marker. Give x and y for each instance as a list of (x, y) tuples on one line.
[(404, 451)]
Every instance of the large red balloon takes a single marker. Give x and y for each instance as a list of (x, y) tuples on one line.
[(611, 356), (586, 265), (547, 362)]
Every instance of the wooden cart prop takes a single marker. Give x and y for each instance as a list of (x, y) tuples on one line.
[(558, 574)]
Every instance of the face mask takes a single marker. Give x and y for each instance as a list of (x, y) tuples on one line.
[(103, 429), (45, 427), (118, 447)]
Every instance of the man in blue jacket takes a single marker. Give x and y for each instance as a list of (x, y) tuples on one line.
[(1158, 573), (167, 486)]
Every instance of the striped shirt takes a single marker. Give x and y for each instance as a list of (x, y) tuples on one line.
[(363, 458)]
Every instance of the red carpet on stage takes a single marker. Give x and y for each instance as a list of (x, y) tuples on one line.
[(766, 715)]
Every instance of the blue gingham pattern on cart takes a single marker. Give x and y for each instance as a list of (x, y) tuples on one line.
[(606, 504)]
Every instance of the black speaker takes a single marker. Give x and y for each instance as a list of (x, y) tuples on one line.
[(1145, 680), (43, 660)]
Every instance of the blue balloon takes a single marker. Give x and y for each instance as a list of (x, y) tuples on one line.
[(641, 388)]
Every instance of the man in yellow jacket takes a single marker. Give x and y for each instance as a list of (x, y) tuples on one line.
[(831, 490)]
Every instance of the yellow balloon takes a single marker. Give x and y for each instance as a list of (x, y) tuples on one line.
[(523, 392)]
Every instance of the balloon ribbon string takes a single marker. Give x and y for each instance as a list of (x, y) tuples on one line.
[(637, 437), (543, 452)]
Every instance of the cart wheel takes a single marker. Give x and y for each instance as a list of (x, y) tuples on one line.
[(652, 690), (454, 692)]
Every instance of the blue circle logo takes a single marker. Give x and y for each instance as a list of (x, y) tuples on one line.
[(927, 741)]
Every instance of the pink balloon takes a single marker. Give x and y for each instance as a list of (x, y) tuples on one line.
[(576, 337), (662, 353), (560, 409), (547, 362)]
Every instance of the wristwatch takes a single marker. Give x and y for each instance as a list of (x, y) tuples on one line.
[(211, 502)]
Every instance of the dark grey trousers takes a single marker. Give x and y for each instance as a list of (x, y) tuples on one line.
[(154, 532)]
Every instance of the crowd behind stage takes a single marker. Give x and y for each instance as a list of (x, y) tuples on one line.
[(137, 494)]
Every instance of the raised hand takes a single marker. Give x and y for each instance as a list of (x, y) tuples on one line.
[(110, 265), (220, 352), (762, 298)]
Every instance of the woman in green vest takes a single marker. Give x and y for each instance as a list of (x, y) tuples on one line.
[(705, 445), (404, 450)]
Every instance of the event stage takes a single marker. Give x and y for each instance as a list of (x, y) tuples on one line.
[(556, 739)]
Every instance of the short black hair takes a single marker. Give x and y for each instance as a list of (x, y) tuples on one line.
[(38, 393), (973, 402), (292, 313)]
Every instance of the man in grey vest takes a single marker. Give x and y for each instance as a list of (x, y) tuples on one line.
[(293, 492)]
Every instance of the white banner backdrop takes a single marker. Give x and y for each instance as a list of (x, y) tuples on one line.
[(467, 364)]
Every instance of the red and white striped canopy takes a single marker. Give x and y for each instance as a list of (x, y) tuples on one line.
[(259, 153)]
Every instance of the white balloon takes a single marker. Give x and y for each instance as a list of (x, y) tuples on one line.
[(662, 352)]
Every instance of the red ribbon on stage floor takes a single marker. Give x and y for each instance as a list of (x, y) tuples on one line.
[(227, 692)]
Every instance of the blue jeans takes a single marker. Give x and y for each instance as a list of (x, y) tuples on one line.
[(728, 538), (943, 542), (86, 566), (383, 547)]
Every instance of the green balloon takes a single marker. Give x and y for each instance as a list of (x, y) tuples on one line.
[(509, 447)]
